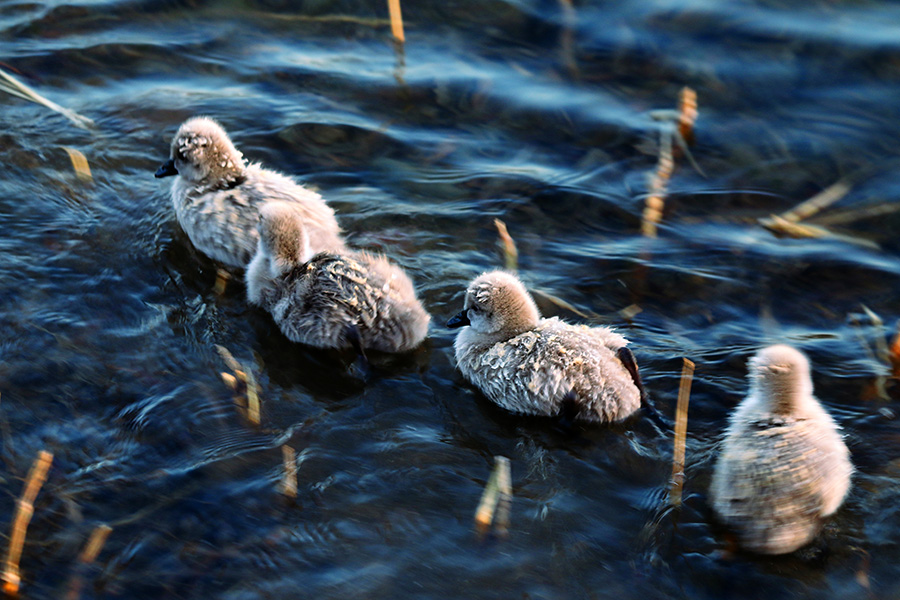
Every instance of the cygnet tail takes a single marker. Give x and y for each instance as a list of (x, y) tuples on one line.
[(626, 356)]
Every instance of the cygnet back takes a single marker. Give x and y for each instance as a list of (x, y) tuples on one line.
[(783, 465), (330, 300), (535, 366), (217, 196)]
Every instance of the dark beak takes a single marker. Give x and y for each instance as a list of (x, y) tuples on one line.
[(460, 320), (166, 169)]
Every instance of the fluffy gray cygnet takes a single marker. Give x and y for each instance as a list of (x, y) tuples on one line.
[(329, 300), (217, 196), (537, 366), (783, 465)]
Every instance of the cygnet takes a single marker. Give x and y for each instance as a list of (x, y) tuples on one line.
[(329, 300), (537, 366), (217, 196), (783, 465)]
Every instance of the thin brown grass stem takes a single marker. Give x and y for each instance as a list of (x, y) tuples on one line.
[(510, 253), (25, 509), (95, 544), (681, 132), (222, 279), (80, 164), (819, 202), (243, 384), (496, 491), (504, 486), (659, 183), (253, 403), (88, 555), (289, 477), (894, 352), (681, 415), (396, 21), (567, 38)]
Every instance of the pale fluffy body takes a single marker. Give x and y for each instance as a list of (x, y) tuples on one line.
[(529, 365), (217, 197), (783, 465), (324, 300)]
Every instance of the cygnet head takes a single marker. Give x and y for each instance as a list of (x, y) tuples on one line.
[(780, 378), (282, 238), (497, 303), (202, 152)]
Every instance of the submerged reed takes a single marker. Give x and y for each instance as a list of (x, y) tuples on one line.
[(243, 384), (289, 477), (681, 414), (510, 253), (495, 500)]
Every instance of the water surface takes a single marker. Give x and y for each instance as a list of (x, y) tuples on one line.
[(518, 110)]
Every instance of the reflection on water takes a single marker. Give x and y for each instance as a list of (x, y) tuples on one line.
[(519, 110)]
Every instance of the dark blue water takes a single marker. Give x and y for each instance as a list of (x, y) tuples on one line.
[(520, 110)]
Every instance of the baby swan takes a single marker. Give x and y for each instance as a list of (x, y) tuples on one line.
[(330, 300), (217, 196), (537, 366), (783, 466)]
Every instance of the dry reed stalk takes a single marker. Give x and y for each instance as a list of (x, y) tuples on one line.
[(563, 304), (396, 21), (653, 210), (14, 87), (289, 479), (504, 486), (857, 214), (94, 544), (243, 384), (630, 312), (567, 44), (894, 352), (819, 202), (687, 113), (862, 574), (88, 555), (222, 279), (681, 413), (80, 164), (230, 380), (25, 509), (510, 253), (685, 118), (881, 348), (496, 491), (882, 352), (789, 224), (229, 360), (780, 226), (253, 411)]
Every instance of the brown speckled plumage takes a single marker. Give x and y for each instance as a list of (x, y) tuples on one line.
[(318, 300), (529, 365), (217, 197), (783, 465)]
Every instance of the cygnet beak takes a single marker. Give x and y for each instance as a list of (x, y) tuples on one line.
[(460, 320), (166, 169)]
